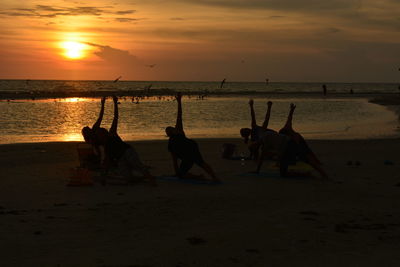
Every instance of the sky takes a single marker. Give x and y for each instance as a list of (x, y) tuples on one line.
[(201, 40)]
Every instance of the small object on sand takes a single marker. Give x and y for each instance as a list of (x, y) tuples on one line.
[(252, 250), (309, 212), (195, 240), (388, 162), (80, 177)]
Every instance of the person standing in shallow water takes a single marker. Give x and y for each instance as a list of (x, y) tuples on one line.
[(120, 154), (185, 149)]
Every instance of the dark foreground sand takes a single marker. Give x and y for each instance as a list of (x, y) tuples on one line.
[(353, 220)]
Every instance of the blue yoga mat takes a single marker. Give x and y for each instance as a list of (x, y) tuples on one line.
[(272, 174), (188, 181)]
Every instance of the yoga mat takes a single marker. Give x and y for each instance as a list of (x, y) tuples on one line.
[(187, 181)]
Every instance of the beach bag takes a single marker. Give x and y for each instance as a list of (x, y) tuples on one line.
[(228, 150)]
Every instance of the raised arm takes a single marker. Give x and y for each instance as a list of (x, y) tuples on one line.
[(98, 122), (267, 115), (253, 114), (114, 125), (179, 123)]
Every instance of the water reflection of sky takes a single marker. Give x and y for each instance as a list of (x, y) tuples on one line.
[(62, 120)]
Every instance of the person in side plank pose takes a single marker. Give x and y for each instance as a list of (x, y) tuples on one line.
[(120, 154), (185, 149), (288, 146), (253, 136)]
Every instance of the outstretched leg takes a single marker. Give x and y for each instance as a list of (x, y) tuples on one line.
[(132, 159), (209, 171), (314, 162), (267, 115), (288, 124)]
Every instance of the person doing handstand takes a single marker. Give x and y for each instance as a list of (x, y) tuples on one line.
[(120, 154), (256, 133), (185, 149)]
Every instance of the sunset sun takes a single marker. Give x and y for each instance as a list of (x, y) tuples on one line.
[(74, 50)]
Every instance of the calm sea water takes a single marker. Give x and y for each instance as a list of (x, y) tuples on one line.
[(62, 119), (218, 115)]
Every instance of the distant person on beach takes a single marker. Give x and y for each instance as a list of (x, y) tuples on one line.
[(256, 133), (324, 90), (185, 149), (117, 153), (288, 146)]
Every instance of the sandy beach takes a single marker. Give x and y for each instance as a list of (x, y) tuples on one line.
[(352, 220)]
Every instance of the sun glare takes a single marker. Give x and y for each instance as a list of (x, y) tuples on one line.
[(74, 50)]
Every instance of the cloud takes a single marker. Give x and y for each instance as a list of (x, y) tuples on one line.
[(46, 11), (310, 5), (176, 18), (114, 55), (126, 19), (126, 12)]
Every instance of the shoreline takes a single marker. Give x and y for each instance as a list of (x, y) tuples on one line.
[(378, 97)]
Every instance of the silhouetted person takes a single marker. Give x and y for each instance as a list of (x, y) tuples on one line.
[(185, 149), (288, 146), (324, 89), (91, 137), (256, 133), (222, 83), (119, 154)]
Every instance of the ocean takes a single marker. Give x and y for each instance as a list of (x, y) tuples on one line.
[(43, 111)]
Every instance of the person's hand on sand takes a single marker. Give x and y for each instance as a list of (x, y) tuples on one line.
[(269, 104), (251, 102), (292, 106)]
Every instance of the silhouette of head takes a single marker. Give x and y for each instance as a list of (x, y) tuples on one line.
[(171, 131), (88, 134), (245, 133)]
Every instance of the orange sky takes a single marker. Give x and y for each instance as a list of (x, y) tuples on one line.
[(242, 40)]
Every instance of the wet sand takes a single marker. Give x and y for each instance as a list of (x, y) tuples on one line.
[(353, 220)]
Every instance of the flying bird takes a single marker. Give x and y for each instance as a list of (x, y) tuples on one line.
[(222, 83), (116, 80)]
